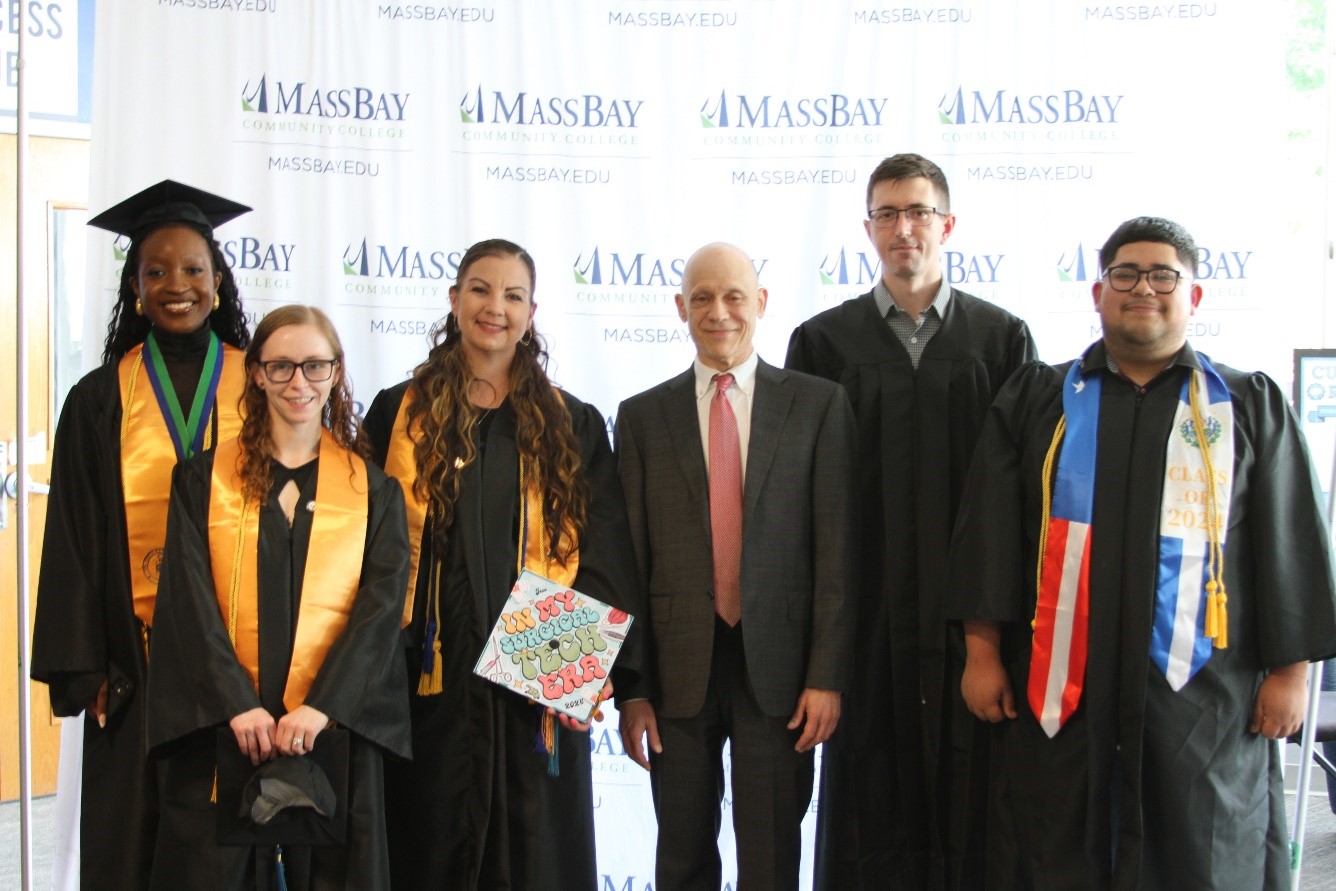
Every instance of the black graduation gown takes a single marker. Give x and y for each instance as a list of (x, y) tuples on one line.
[(196, 685), (84, 628), (476, 809), (1146, 788), (903, 780)]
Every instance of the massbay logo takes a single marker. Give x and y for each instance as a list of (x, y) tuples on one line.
[(304, 99), (1000, 106), (243, 254), (1215, 264), (525, 109), (1078, 264), (250, 254), (622, 268), (847, 267), (831, 110), (850, 267), (972, 269), (401, 261)]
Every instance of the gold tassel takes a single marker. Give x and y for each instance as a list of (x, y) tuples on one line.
[(1217, 610), (213, 793), (550, 742), (1212, 618), (1221, 611), (431, 684)]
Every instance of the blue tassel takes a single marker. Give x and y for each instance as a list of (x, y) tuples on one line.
[(553, 761), (428, 650), (280, 875)]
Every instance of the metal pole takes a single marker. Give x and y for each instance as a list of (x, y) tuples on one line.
[(21, 437), (1305, 774)]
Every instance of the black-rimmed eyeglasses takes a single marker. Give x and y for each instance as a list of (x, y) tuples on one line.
[(1125, 278), (280, 371), (918, 215)]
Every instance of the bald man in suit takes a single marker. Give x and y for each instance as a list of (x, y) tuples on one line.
[(738, 484)]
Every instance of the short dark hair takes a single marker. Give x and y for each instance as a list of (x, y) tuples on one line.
[(907, 166), (1153, 229)]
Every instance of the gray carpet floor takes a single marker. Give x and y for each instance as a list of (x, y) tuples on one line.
[(1318, 873)]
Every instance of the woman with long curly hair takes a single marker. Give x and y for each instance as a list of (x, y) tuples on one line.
[(500, 470), (277, 620), (169, 384)]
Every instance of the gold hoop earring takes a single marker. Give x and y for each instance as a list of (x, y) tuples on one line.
[(217, 300), (139, 307)]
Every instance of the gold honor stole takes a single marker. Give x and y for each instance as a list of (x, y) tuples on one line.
[(148, 455), (531, 551), (333, 562)]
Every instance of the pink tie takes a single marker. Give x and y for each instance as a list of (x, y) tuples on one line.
[(726, 503)]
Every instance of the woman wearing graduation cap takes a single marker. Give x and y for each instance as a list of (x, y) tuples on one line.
[(276, 637), (168, 387)]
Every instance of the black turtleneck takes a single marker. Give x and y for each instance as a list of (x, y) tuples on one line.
[(183, 354)]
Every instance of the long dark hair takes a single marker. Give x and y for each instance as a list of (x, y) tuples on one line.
[(444, 418), (257, 443), (126, 328)]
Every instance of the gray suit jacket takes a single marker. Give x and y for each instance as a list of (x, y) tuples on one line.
[(798, 540)]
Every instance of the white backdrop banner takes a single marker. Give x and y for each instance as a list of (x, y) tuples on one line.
[(378, 140)]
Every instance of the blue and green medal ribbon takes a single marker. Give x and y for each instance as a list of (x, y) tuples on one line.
[(187, 433)]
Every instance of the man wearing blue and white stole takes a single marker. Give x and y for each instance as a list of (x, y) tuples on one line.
[(1140, 555)]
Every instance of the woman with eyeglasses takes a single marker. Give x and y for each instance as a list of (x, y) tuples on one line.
[(168, 387), (501, 470), (276, 636)]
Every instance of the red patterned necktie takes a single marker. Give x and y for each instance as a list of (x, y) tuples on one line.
[(726, 503)]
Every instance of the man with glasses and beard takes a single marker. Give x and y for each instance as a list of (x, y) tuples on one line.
[(1143, 572)]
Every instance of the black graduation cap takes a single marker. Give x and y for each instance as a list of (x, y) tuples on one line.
[(287, 783), (168, 202)]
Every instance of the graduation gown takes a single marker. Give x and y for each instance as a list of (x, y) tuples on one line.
[(903, 779), (85, 631), (1144, 787), (477, 809), (196, 684)]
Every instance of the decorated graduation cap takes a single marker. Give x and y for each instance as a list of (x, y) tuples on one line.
[(168, 202)]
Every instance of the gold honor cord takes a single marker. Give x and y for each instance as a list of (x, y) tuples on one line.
[(1047, 502), (1217, 601), (130, 398), (234, 585)]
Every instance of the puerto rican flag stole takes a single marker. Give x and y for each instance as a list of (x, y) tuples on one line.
[(1062, 613), (1192, 524)]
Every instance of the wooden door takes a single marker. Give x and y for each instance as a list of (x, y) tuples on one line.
[(57, 185)]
